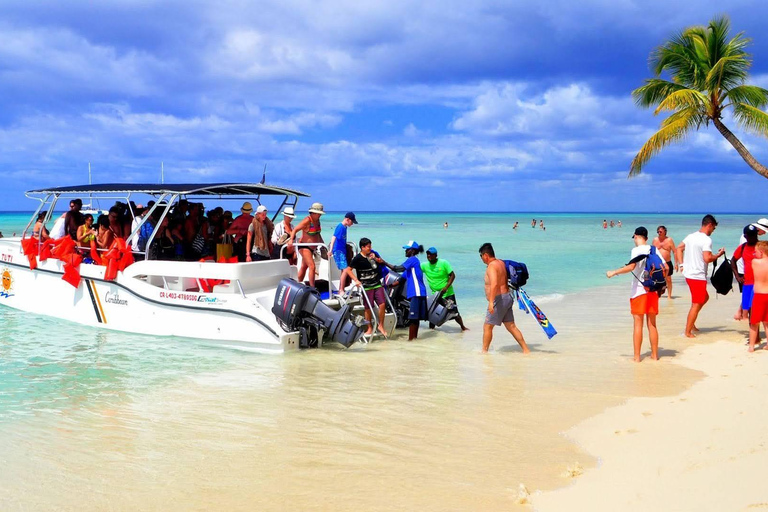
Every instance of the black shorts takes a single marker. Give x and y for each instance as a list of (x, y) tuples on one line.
[(671, 269), (418, 309), (451, 298)]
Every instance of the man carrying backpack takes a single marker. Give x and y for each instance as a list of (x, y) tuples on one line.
[(500, 302), (696, 254), (643, 304)]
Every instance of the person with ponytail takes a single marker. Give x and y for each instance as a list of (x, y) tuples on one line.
[(411, 272)]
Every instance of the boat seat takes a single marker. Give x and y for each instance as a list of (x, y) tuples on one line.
[(184, 284)]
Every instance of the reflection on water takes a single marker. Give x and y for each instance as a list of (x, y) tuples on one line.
[(95, 420)]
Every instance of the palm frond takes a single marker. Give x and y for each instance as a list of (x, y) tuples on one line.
[(669, 133), (684, 98), (751, 118), (748, 94), (727, 72), (654, 92)]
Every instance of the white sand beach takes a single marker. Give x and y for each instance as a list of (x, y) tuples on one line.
[(703, 449)]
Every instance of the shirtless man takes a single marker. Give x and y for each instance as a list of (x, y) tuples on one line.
[(760, 299), (500, 302), (666, 247)]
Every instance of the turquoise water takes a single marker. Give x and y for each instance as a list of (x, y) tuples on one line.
[(76, 402)]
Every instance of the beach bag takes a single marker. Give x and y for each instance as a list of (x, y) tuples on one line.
[(722, 277), (517, 273), (224, 249), (655, 272)]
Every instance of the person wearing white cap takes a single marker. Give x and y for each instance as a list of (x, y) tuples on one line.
[(310, 234), (259, 236), (281, 234)]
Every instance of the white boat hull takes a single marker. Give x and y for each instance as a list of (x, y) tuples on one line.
[(132, 303)]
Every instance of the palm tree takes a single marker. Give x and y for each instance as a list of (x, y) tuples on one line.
[(708, 72)]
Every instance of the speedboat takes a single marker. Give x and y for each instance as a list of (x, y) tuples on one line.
[(253, 306)]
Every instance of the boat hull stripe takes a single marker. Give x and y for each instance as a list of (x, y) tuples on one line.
[(93, 301)]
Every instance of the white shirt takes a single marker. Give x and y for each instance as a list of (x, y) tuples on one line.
[(696, 244), (278, 232), (59, 230), (637, 285), (740, 263), (135, 238)]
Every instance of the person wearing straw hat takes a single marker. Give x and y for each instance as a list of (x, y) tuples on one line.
[(239, 230), (280, 237), (310, 234)]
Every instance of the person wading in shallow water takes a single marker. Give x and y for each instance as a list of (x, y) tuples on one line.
[(666, 247), (500, 302)]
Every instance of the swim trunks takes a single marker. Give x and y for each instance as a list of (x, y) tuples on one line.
[(759, 309), (746, 296), (376, 297), (698, 289), (671, 269), (341, 259), (503, 310), (645, 304)]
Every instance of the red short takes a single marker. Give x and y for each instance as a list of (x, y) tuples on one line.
[(759, 311), (646, 304), (698, 289)]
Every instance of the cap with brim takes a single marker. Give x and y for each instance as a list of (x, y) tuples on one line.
[(261, 208), (288, 212), (247, 207), (351, 216), (641, 231), (751, 229), (412, 244), (761, 224), (432, 250), (317, 208)]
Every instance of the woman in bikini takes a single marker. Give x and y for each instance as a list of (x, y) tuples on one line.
[(310, 228), (39, 232)]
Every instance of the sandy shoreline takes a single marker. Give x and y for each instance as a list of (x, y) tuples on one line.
[(703, 449)]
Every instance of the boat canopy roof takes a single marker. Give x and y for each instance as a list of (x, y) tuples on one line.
[(188, 189)]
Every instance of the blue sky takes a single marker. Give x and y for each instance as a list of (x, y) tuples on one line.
[(448, 105)]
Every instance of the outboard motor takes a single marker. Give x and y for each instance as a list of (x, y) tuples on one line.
[(440, 310), (299, 308), (398, 298)]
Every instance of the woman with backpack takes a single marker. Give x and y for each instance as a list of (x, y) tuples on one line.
[(644, 304)]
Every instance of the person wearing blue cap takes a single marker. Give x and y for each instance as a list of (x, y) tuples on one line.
[(338, 247), (410, 271), (440, 277)]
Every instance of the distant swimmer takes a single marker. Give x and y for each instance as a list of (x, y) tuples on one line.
[(619, 223), (605, 224), (612, 223), (541, 224), (666, 247), (515, 226), (445, 225), (643, 304), (533, 223), (501, 304), (695, 251), (760, 299)]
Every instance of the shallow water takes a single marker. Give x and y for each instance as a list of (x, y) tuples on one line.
[(94, 420)]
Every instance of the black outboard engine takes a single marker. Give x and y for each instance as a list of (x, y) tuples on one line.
[(440, 310), (299, 308), (398, 298)]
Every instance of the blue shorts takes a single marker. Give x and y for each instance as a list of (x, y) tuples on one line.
[(418, 309), (341, 259), (746, 296)]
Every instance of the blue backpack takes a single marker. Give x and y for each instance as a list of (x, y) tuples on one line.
[(655, 271), (517, 273)]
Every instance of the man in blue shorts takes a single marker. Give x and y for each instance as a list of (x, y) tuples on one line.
[(338, 247)]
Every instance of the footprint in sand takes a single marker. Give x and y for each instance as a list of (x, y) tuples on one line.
[(646, 414)]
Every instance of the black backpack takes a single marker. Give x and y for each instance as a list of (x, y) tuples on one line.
[(722, 277)]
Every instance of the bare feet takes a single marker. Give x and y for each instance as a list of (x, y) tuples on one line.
[(464, 328), (369, 332), (751, 349), (382, 330), (690, 334), (526, 351), (695, 328)]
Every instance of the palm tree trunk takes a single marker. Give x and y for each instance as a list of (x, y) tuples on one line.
[(740, 149)]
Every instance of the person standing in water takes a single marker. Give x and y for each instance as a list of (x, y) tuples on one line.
[(411, 272), (500, 301), (440, 277), (666, 247), (643, 304)]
